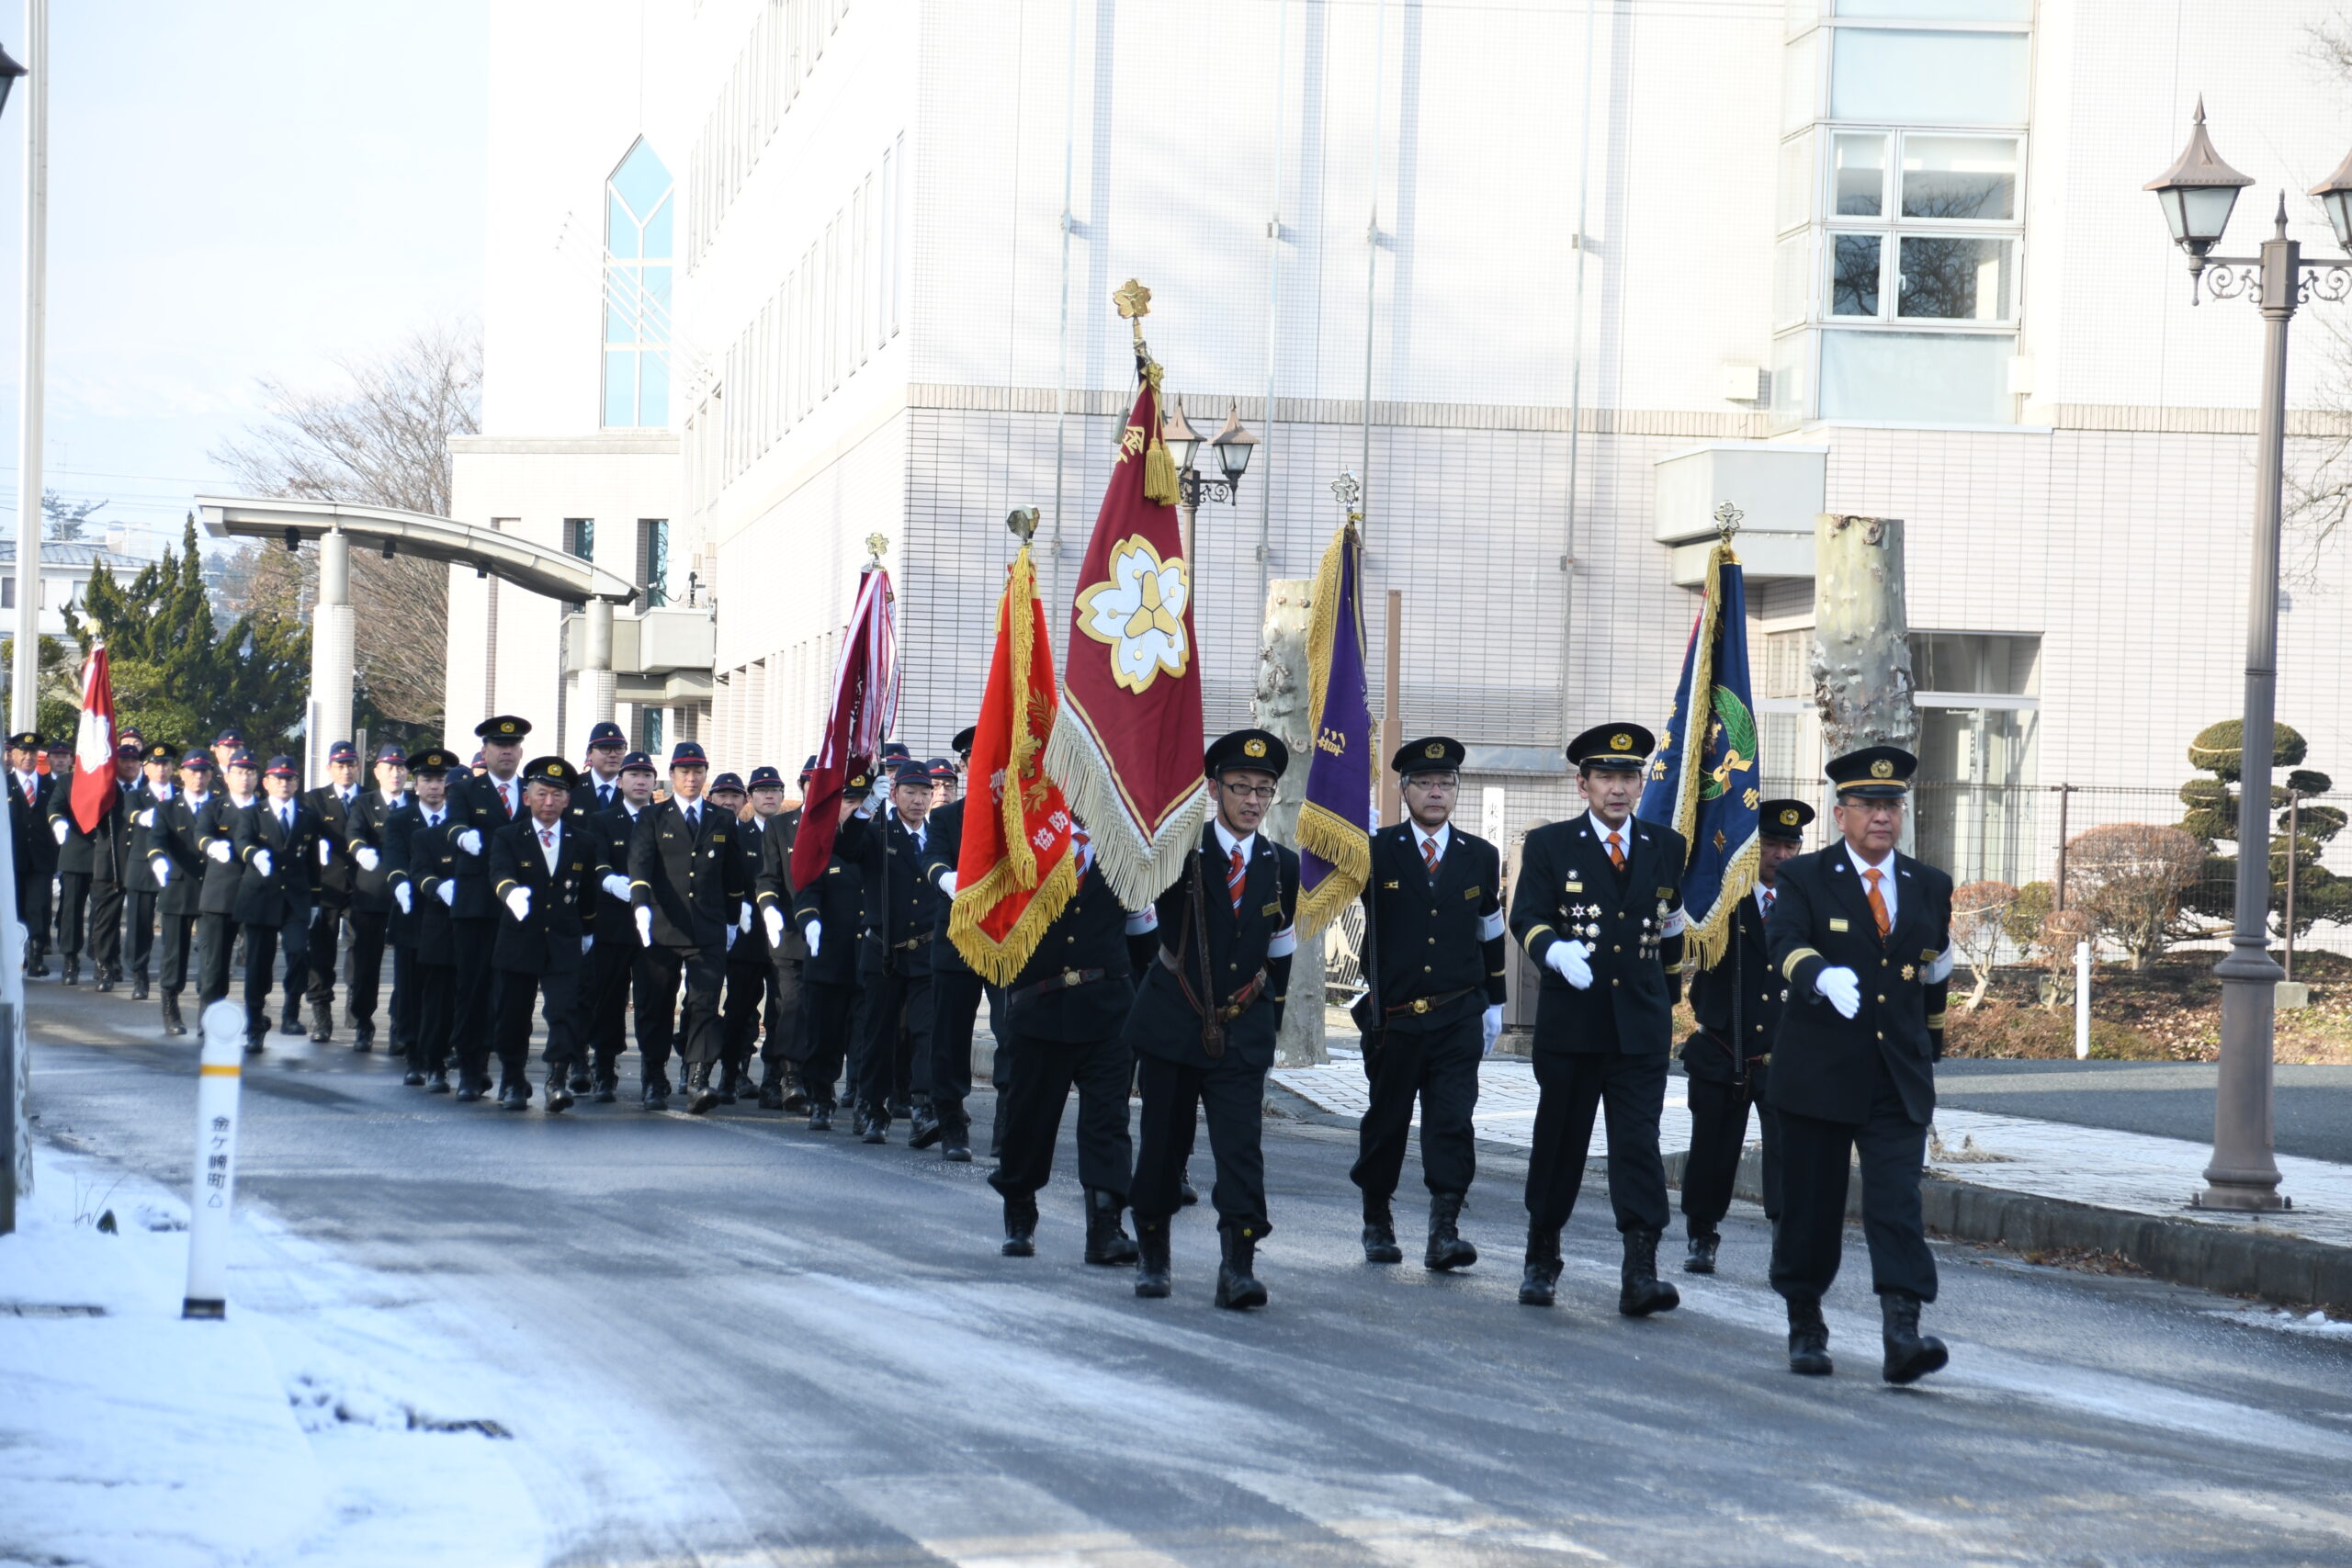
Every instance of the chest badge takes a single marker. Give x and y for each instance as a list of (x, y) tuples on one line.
[(1909, 971)]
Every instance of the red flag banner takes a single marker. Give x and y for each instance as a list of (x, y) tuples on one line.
[(1126, 745), (1016, 870), (94, 786), (865, 705)]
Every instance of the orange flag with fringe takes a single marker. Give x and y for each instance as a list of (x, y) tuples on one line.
[(1017, 869)]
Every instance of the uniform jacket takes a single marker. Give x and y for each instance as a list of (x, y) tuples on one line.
[(772, 888), (1087, 940), (140, 812), (1162, 1023), (371, 891), (1568, 891), (1821, 918), (421, 856), (586, 801), (944, 832), (28, 826), (691, 879), (751, 948), (286, 893), (563, 902), (901, 903), (1746, 970), (178, 834), (1434, 938), (80, 853), (223, 881), (608, 835), (838, 899), (474, 803), (335, 820)]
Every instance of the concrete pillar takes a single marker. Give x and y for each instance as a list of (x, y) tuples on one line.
[(597, 662), (331, 653)]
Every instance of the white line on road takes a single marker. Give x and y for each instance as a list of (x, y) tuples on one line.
[(995, 1521)]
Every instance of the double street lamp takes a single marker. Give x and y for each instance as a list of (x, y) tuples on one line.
[(2197, 193), (1232, 446)]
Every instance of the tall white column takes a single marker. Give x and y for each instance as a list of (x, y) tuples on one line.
[(332, 649), (24, 706), (596, 663)]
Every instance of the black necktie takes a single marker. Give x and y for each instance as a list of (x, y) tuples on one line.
[(603, 794)]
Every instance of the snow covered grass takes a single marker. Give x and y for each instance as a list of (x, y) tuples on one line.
[(318, 1423)]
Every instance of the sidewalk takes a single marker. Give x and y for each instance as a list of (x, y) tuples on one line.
[(2031, 1184)]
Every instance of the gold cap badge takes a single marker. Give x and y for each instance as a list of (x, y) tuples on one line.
[(1789, 817), (1434, 748), (1253, 748), (1621, 742), (1881, 769)]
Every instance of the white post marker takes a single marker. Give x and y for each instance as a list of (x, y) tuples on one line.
[(2082, 1001), (215, 1187)]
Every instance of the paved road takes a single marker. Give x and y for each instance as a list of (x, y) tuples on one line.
[(2172, 1100), (801, 1349)]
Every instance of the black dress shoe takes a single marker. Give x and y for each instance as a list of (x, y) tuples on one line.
[(1700, 1257), (957, 1151), (795, 1099), (1808, 1340), (290, 1024), (1540, 1280), (139, 987), (105, 980), (925, 1131), (820, 1118), (322, 1023), (1640, 1291), (72, 971), (172, 1022), (1236, 1281), (439, 1083), (581, 1080), (770, 1093), (878, 1127), (559, 1092), (657, 1095), (1019, 1227), (255, 1045), (1910, 1355), (413, 1079), (1380, 1234), (514, 1096), (467, 1090), (1151, 1259), (1106, 1244)]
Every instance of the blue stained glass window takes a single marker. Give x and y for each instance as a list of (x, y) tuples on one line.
[(638, 204)]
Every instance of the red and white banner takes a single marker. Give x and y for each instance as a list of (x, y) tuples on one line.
[(94, 788), (866, 706)]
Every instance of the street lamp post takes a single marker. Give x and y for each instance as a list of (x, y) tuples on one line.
[(1232, 446), (24, 679), (2197, 193)]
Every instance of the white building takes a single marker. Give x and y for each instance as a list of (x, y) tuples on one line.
[(66, 569), (767, 276)]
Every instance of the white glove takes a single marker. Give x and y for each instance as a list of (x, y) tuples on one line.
[(585, 944), (162, 869), (147, 818), (1844, 989), (315, 912), (446, 891), (367, 856), (644, 925), (57, 829), (617, 886), (947, 882), (743, 919), (262, 861), (326, 852), (1568, 959), (471, 842), (816, 936), (518, 899), (773, 918), (1490, 1029), (219, 849), (731, 934), (405, 897)]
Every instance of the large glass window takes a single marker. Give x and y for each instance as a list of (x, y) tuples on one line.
[(1917, 78), (1960, 178), (1917, 377), (1860, 173), (1854, 274), (653, 560), (1949, 277), (638, 252)]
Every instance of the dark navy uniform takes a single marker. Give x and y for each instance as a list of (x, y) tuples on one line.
[(1063, 1016), (371, 918), (141, 893), (30, 798), (177, 863), (616, 959), (955, 993), (88, 881), (1738, 1002), (336, 807), (781, 1048), (833, 904), (1434, 934), (749, 973), (1244, 896), (893, 1020), (217, 927), (479, 803), (688, 881), (1862, 1084), (418, 861), (540, 950), (1605, 1044), (277, 899)]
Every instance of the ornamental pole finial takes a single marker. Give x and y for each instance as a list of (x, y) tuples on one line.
[(1727, 521)]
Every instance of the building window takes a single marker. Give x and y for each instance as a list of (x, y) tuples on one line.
[(637, 212), (580, 538), (1979, 722), (653, 560), (649, 731)]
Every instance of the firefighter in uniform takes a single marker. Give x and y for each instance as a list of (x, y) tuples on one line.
[(110, 866), (1861, 934), (902, 914), (1738, 998), (177, 861), (1206, 1015), (1434, 924), (542, 874), (277, 844), (218, 929), (418, 861), (956, 990), (479, 805), (615, 960), (141, 892), (599, 788), (745, 993), (689, 887), (29, 792), (371, 906), (336, 802), (1599, 908), (779, 942), (833, 902)]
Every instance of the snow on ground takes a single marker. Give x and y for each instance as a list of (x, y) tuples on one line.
[(330, 1426)]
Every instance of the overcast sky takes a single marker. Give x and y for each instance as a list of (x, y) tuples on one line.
[(235, 191)]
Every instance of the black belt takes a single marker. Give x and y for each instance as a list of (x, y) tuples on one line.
[(908, 945), (1243, 1000), (1430, 1004), (1067, 980)]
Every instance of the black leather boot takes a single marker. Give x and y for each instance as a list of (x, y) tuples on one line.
[(581, 1080), (439, 1083), (1020, 1226), (106, 977), (1237, 1287), (256, 1045), (172, 1022), (1910, 1355), (290, 1022), (608, 1087), (925, 1131), (821, 1117), (1106, 1242), (559, 1094), (770, 1090), (730, 1083), (874, 1126), (1151, 1258), (656, 1094), (1186, 1193), (139, 987), (73, 969), (1699, 1259), (1446, 1248), (1380, 1233), (321, 1022), (1542, 1276), (1808, 1338), (796, 1099), (700, 1096), (1641, 1291)]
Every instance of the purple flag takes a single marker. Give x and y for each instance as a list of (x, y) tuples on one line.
[(1335, 821)]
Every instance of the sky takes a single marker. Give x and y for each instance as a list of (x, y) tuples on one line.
[(236, 191)]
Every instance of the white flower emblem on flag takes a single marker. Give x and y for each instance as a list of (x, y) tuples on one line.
[(1139, 613)]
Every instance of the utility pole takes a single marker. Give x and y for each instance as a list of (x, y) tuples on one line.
[(24, 711)]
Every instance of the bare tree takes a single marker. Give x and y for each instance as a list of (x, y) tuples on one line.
[(1977, 910), (2318, 499), (2129, 879), (381, 439)]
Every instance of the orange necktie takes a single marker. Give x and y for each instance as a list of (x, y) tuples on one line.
[(1878, 905), (1428, 855), (1616, 852)]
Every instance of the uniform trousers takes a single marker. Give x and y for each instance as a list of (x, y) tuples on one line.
[(215, 935), (367, 943), (783, 1014), (1001, 1074), (326, 938), (702, 970), (1232, 1093), (894, 1014), (1101, 1071), (138, 911), (955, 1007), (1438, 1066), (33, 906), (175, 940), (106, 928), (472, 941), (72, 910), (558, 994), (1718, 1136), (1814, 1157), (262, 944), (749, 975), (403, 1011), (826, 1013), (436, 995), (1630, 1091), (603, 999)]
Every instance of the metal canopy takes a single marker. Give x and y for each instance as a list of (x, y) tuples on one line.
[(554, 573)]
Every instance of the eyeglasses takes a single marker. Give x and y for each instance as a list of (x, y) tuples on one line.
[(1253, 792), (1432, 781)]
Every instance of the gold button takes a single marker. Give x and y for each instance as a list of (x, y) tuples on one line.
[(1612, 982), (1425, 968), (1882, 999), (1882, 963), (1432, 941), (1881, 1034), (1616, 949)]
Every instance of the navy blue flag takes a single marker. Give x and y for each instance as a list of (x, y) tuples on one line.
[(1704, 781), (1335, 819)]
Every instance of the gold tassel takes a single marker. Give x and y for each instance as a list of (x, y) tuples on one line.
[(1159, 473)]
